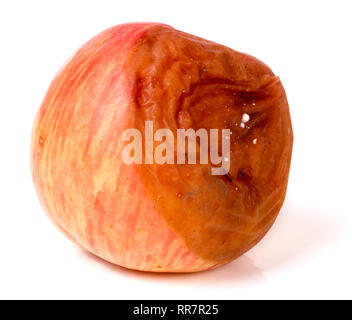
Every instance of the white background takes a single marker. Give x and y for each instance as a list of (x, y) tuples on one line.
[(307, 254)]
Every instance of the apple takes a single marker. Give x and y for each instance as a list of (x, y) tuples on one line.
[(161, 217)]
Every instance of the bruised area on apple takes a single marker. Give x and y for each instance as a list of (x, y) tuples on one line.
[(163, 218), (182, 81)]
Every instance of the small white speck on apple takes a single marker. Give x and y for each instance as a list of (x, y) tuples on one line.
[(255, 141), (242, 125), (245, 117)]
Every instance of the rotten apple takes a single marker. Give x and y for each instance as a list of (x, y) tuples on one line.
[(152, 216)]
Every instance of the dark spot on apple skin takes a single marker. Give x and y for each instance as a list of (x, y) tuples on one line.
[(244, 175), (228, 177)]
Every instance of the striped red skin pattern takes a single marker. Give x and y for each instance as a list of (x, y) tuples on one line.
[(76, 142)]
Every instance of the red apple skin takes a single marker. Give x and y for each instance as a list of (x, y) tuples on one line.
[(81, 181), (109, 208)]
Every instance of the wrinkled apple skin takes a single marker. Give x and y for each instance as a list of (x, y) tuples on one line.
[(110, 208)]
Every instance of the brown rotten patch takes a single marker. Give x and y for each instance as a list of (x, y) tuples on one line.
[(182, 81)]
